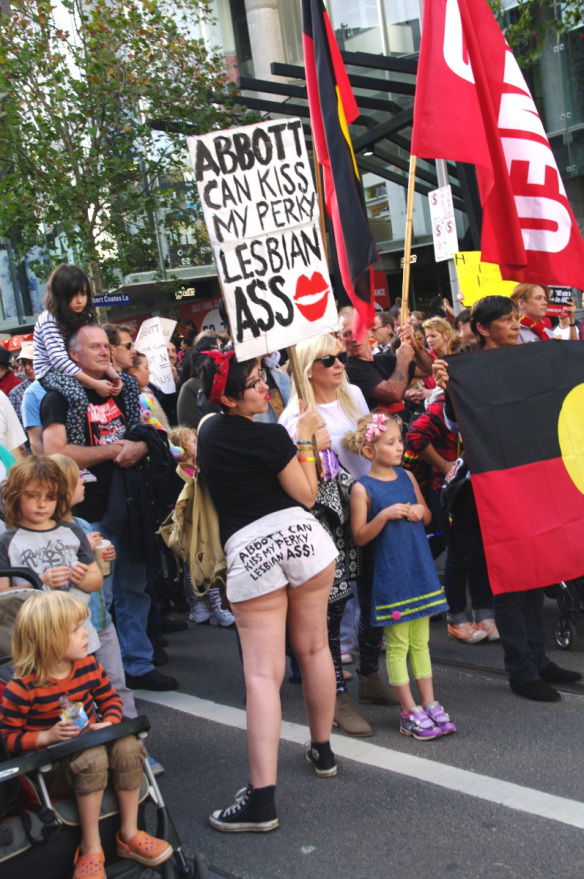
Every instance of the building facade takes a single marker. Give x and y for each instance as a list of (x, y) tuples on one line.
[(253, 34)]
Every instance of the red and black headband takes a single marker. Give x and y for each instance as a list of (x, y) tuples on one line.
[(221, 359)]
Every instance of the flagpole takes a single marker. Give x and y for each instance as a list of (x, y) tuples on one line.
[(321, 204), (408, 239)]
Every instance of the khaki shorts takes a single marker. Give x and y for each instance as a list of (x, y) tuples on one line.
[(284, 548), (119, 762)]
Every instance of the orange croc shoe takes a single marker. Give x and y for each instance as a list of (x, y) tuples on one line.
[(89, 866), (145, 849)]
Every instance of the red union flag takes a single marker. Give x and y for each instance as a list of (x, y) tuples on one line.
[(472, 105)]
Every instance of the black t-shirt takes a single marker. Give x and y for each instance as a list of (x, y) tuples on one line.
[(240, 460), (367, 374), (105, 423)]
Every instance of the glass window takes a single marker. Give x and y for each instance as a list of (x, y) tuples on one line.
[(291, 21), (403, 26), (356, 25)]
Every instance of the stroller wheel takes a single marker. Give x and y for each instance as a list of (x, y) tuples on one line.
[(565, 634), (201, 869)]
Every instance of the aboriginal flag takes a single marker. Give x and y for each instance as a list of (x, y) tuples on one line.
[(332, 109), (520, 411)]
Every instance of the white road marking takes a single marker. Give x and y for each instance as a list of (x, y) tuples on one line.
[(483, 787)]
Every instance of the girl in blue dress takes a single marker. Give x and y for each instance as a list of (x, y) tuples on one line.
[(387, 507)]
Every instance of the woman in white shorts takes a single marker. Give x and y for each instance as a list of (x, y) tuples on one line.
[(280, 568)]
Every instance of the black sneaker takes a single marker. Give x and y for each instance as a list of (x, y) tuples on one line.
[(537, 691), (322, 759), (553, 674), (159, 654), (254, 811), (152, 680)]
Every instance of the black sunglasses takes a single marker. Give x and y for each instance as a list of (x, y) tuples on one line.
[(126, 345), (329, 359)]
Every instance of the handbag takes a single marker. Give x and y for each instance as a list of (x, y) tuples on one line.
[(192, 531)]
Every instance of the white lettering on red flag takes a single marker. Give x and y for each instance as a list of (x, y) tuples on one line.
[(473, 105)]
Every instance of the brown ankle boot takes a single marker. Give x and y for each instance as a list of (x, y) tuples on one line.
[(372, 690), (348, 719)]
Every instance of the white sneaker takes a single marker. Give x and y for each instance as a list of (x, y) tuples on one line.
[(221, 617), (200, 613)]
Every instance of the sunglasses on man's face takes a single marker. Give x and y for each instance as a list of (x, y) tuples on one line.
[(126, 345), (329, 359)]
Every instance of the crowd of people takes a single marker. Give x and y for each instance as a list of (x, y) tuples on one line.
[(331, 510)]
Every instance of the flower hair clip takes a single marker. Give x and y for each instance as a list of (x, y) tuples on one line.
[(376, 427)]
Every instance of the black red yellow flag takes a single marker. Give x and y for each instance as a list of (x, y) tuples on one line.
[(521, 415), (332, 109)]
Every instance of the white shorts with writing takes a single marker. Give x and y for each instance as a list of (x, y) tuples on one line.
[(284, 548)]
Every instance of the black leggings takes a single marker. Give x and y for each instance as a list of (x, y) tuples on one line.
[(333, 621), (369, 636)]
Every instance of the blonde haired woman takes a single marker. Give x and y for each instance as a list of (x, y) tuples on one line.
[(340, 405), (440, 336)]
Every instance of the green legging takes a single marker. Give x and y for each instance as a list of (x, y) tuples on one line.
[(408, 640)]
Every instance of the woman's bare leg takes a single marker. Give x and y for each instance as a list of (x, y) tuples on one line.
[(307, 607), (261, 623)]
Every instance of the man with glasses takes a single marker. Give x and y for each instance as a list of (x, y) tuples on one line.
[(383, 378), (383, 332), (121, 346)]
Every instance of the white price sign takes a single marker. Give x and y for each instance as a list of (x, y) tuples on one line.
[(443, 223)]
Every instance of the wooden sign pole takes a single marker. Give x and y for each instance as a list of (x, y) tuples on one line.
[(299, 385), (408, 240)]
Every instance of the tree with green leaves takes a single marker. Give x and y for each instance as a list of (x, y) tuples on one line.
[(80, 162), (526, 25)]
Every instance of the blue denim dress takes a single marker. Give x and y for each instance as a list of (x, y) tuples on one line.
[(405, 583)]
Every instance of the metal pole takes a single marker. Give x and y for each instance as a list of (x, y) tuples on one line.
[(442, 172)]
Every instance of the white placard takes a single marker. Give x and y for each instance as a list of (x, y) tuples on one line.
[(443, 223), (261, 211), (151, 341)]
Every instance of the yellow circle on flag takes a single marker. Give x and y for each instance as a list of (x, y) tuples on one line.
[(571, 435)]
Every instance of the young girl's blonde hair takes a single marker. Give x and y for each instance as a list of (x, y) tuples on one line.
[(307, 352), (42, 631), (356, 440), (44, 472), (179, 436), (70, 471)]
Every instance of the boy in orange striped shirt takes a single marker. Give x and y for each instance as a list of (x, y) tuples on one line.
[(49, 647)]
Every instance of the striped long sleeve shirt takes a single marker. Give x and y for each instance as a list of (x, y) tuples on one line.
[(28, 709), (49, 348)]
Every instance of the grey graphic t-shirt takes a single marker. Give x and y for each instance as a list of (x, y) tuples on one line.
[(61, 546)]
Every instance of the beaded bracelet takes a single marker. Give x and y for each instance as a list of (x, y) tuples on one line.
[(307, 460), (303, 442)]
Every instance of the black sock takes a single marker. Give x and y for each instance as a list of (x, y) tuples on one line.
[(323, 748)]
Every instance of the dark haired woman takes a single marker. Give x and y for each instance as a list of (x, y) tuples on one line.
[(280, 567)]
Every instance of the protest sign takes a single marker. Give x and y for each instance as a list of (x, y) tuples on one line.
[(151, 341), (443, 223), (262, 214), (478, 279), (559, 296)]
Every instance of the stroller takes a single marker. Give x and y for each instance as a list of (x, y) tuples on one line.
[(569, 595), (38, 836)]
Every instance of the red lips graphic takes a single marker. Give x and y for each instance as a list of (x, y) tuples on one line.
[(311, 296)]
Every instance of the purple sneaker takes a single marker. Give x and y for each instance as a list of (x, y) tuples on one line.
[(436, 713), (418, 724)]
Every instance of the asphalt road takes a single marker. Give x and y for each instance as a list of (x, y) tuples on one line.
[(501, 798)]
